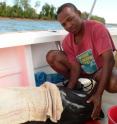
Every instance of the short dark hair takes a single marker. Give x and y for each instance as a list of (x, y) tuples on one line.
[(70, 5)]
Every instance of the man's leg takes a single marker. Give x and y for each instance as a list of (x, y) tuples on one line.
[(112, 84), (59, 62)]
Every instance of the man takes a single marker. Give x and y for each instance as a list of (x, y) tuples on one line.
[(88, 52)]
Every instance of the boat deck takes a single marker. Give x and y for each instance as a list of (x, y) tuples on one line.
[(109, 100)]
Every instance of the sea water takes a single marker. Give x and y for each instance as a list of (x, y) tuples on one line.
[(14, 25)]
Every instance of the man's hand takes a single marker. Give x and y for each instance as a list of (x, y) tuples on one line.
[(96, 100)]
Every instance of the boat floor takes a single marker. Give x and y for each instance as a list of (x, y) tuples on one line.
[(109, 100)]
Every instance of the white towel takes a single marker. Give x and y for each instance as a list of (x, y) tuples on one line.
[(19, 105)]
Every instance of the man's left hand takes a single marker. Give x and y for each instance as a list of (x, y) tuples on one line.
[(96, 100)]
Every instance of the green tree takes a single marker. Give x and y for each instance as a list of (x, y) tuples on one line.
[(52, 12), (47, 12), (100, 19), (3, 8), (24, 4), (16, 2), (30, 13), (37, 4), (93, 17), (84, 15), (16, 11), (23, 9)]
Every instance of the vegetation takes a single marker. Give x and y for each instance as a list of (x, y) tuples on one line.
[(48, 12), (93, 17), (22, 9)]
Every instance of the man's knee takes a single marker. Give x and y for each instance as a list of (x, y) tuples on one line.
[(55, 55), (50, 56), (112, 85), (109, 88)]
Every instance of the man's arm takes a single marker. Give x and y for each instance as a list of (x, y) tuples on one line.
[(74, 74), (108, 63)]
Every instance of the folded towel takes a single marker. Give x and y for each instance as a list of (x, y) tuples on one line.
[(19, 105)]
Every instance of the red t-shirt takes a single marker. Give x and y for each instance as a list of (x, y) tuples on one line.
[(96, 40)]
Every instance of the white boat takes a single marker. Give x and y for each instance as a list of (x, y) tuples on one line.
[(22, 54)]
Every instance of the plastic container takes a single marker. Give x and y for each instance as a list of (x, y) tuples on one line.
[(112, 115)]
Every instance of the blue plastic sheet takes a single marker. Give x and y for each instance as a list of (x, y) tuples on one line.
[(41, 77)]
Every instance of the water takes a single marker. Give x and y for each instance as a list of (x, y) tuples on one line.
[(13, 25)]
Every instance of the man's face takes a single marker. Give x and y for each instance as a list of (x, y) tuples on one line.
[(70, 20)]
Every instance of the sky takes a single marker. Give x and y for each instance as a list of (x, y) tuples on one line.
[(103, 8)]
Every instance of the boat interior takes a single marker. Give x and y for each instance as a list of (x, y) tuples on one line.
[(24, 53)]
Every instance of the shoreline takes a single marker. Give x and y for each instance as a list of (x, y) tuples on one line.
[(10, 18), (28, 19)]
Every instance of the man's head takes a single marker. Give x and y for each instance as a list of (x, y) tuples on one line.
[(69, 17)]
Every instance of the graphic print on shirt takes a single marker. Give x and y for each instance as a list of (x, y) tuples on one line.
[(87, 62)]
